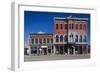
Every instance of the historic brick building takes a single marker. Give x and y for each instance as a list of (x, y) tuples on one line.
[(70, 37), (41, 43)]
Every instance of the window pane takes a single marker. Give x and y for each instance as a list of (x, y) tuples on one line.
[(57, 38), (84, 38), (76, 26), (76, 39), (56, 26), (44, 40), (69, 26), (65, 38), (61, 38), (40, 41), (72, 26), (48, 40), (32, 41), (65, 26), (84, 26), (51, 40), (80, 26), (36, 40), (80, 38), (61, 27)]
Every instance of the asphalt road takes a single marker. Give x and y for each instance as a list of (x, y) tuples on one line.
[(55, 57)]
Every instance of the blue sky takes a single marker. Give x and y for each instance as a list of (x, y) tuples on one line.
[(44, 21)]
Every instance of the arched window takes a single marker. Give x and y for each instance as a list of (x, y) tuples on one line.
[(80, 38), (47, 40), (66, 26), (71, 37), (65, 38), (76, 39), (36, 40), (40, 41), (72, 26), (69, 26), (57, 38), (85, 26), (61, 38), (44, 40), (76, 26), (84, 38), (61, 26), (32, 41), (51, 40), (56, 26), (81, 26)]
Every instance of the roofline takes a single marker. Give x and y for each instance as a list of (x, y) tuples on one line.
[(40, 34), (65, 18)]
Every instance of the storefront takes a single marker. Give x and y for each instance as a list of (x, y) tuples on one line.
[(42, 50)]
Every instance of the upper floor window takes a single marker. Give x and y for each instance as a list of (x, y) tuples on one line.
[(61, 26), (76, 39), (36, 40), (40, 41), (81, 26), (61, 38), (76, 26), (66, 38), (65, 26), (71, 36), (47, 40), (44, 40), (32, 41), (84, 38), (56, 26), (69, 26), (84, 26), (51, 40), (80, 38), (57, 38), (72, 26)]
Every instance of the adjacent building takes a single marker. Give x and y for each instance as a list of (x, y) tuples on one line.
[(41, 43)]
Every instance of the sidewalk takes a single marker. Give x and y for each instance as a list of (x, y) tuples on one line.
[(55, 57)]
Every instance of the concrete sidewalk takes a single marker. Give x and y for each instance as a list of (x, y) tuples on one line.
[(55, 57)]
